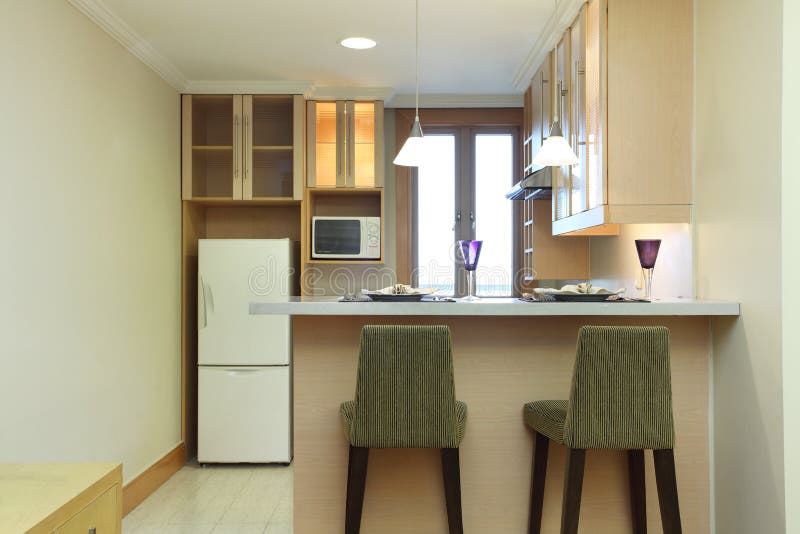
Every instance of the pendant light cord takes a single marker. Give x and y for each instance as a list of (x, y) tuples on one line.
[(416, 26)]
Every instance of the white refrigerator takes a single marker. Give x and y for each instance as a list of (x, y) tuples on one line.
[(244, 361)]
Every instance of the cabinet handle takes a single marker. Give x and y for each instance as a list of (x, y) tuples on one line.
[(246, 137), (235, 146)]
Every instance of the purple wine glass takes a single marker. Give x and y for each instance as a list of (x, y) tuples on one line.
[(470, 254), (647, 249)]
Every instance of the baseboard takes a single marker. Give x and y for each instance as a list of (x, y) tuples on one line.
[(138, 489)]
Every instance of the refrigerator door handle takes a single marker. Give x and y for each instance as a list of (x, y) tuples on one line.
[(206, 297), (240, 372)]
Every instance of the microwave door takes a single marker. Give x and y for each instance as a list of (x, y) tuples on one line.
[(337, 238)]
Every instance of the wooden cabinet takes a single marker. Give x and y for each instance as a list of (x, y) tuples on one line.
[(61, 498), (549, 257), (99, 517), (537, 116), (626, 67), (242, 147), (345, 144)]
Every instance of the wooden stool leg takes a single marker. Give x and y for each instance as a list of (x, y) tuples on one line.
[(538, 475), (573, 485), (664, 461), (451, 472), (638, 491), (356, 480)]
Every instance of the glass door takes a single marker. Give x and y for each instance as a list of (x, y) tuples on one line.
[(215, 167), (269, 150), (494, 223), (435, 208), (460, 194)]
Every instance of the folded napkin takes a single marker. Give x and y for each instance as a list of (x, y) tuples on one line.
[(401, 289), (580, 289)]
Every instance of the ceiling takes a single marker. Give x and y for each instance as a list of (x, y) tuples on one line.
[(467, 47)]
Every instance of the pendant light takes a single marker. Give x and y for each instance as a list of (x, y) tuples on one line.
[(412, 153), (555, 150)]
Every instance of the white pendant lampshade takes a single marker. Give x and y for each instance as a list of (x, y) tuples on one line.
[(413, 151), (555, 150), (411, 155)]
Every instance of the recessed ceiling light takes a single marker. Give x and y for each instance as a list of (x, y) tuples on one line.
[(357, 43)]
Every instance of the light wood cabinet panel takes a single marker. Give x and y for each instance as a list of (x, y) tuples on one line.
[(628, 116), (345, 140), (100, 515), (242, 147), (62, 498), (650, 80)]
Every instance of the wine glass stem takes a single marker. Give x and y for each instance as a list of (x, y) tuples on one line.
[(470, 283), (647, 275)]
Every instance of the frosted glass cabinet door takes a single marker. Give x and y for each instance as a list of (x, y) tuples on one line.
[(212, 146), (577, 97), (562, 175), (345, 144)]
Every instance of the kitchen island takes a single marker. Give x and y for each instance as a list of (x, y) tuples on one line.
[(506, 353)]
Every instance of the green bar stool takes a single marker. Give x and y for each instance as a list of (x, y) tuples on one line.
[(405, 398), (621, 398)]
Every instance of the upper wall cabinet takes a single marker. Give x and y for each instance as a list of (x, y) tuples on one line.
[(242, 147), (625, 72), (537, 115), (345, 144)]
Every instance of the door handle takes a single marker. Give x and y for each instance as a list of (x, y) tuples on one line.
[(235, 146), (458, 220), (240, 372), (472, 219)]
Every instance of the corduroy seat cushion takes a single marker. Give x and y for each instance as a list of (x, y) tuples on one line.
[(349, 408), (547, 417)]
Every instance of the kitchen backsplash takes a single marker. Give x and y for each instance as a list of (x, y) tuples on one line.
[(614, 263)]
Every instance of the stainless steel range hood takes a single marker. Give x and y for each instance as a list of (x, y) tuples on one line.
[(537, 185)]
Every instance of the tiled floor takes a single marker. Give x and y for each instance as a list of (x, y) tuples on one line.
[(219, 499)]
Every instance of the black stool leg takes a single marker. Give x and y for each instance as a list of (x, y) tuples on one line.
[(638, 491), (451, 472), (573, 485), (538, 475), (664, 461), (356, 480)]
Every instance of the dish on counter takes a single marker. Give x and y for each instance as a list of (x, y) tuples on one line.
[(579, 293), (398, 293)]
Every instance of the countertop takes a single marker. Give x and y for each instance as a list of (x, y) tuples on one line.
[(495, 307)]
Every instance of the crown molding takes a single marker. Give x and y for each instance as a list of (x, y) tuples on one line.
[(117, 28), (247, 87), (457, 101), (324, 92), (559, 21)]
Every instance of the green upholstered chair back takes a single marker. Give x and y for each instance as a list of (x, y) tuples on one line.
[(621, 396), (405, 396)]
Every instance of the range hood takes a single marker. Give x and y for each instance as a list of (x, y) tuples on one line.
[(536, 185)]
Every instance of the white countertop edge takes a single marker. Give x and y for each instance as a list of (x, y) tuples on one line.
[(496, 307)]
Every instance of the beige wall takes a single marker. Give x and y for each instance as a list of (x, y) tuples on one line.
[(615, 264), (738, 241), (790, 237), (90, 230)]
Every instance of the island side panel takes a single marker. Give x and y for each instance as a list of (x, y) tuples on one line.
[(500, 363)]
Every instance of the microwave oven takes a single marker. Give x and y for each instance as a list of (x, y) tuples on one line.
[(346, 238)]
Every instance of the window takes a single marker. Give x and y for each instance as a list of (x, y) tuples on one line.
[(459, 193)]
